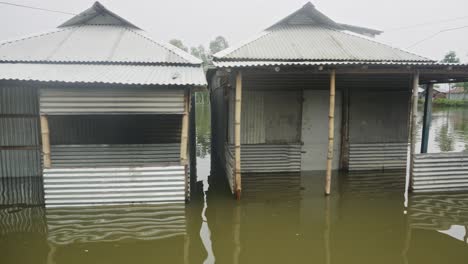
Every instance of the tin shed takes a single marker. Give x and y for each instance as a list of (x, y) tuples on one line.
[(309, 93), (106, 105)]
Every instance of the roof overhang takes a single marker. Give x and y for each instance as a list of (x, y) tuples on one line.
[(105, 74), (430, 72)]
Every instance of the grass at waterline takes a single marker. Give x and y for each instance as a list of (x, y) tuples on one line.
[(447, 103)]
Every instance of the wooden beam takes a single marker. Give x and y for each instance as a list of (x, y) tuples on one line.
[(427, 118), (414, 117), (184, 132), (237, 136), (45, 141), (331, 132)]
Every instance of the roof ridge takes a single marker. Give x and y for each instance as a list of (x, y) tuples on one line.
[(380, 43), (185, 55), (34, 35)]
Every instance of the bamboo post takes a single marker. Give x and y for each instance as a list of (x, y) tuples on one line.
[(414, 117), (331, 132), (184, 132), (427, 118), (237, 136), (45, 141), (184, 142)]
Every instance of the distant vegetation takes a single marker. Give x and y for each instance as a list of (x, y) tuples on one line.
[(206, 55), (448, 102)]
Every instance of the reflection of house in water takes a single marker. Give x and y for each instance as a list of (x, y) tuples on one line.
[(440, 223)]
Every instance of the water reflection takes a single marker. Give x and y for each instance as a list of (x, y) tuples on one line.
[(449, 129), (282, 218)]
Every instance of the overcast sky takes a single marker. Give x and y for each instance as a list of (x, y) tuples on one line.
[(198, 21)]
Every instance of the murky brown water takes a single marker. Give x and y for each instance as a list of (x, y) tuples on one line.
[(286, 220)]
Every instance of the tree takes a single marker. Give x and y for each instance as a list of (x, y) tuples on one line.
[(218, 44), (450, 57), (178, 43), (200, 53)]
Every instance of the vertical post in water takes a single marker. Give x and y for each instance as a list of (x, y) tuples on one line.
[(184, 132), (331, 132), (45, 135), (237, 138), (414, 117), (427, 118), (184, 142)]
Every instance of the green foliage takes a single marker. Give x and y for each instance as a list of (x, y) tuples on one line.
[(178, 43), (451, 57), (216, 45), (450, 103)]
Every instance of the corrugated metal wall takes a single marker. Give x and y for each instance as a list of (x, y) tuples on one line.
[(98, 100), (440, 172), (116, 223), (82, 156), (375, 156), (270, 158), (20, 156), (124, 185)]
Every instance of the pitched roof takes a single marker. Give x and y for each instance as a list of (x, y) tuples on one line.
[(94, 36), (309, 35), (98, 46)]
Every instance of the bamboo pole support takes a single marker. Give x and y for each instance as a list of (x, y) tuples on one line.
[(414, 117), (237, 136), (45, 141), (331, 132), (184, 132)]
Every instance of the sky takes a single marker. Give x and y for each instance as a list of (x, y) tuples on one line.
[(197, 22)]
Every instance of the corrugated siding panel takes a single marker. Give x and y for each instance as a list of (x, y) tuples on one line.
[(116, 223), (114, 129), (98, 100), (19, 131), (19, 128), (126, 185), (21, 190), (253, 120), (375, 156), (15, 99), (20, 163), (83, 156), (440, 172), (270, 158)]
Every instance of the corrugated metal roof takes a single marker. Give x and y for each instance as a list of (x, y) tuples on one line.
[(314, 43), (259, 63), (116, 74), (98, 46), (93, 44)]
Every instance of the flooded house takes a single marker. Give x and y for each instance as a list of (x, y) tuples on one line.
[(309, 93), (97, 111)]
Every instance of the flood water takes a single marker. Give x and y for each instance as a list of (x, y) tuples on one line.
[(286, 219)]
